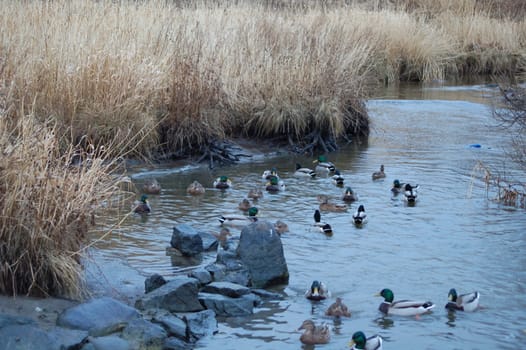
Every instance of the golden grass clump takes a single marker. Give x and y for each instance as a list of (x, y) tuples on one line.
[(46, 207)]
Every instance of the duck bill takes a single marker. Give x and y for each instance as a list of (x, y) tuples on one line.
[(351, 343), (315, 291), (377, 295), (450, 297)]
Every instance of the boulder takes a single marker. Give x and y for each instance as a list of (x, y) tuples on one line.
[(178, 295), (227, 306), (144, 333), (187, 240), (202, 275), (153, 282), (261, 251), (22, 337), (110, 342), (209, 241), (228, 289), (173, 325), (200, 324)]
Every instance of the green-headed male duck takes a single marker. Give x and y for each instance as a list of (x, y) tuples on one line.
[(239, 220), (402, 307), (317, 291), (410, 193), (360, 342), (304, 172), (275, 185), (268, 173), (323, 166), (337, 178), (359, 217), (397, 187), (222, 182), (463, 302), (322, 226), (349, 196), (142, 206)]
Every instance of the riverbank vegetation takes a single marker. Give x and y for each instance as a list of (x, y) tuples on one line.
[(172, 78)]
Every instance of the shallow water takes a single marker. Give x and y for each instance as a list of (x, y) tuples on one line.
[(452, 237)]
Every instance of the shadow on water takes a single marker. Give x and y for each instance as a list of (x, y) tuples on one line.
[(452, 237)]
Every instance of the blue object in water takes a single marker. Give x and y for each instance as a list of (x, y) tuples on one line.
[(475, 145)]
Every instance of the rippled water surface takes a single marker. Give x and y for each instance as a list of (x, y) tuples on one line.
[(453, 237)]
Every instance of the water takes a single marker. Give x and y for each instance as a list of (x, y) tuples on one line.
[(453, 237)]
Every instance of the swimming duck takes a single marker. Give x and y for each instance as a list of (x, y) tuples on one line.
[(359, 342), (244, 205), (222, 237), (349, 196), (397, 187), (317, 291), (314, 334), (410, 193), (323, 166), (359, 216), (304, 172), (239, 220), (323, 226), (151, 186), (379, 174), (402, 307), (195, 188), (268, 173), (337, 178), (338, 309), (281, 227), (275, 185), (325, 205), (463, 302), (222, 182), (255, 193), (142, 206)]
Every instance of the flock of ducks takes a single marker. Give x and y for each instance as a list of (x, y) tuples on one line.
[(312, 333)]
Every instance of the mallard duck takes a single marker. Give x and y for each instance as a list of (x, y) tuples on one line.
[(402, 307), (379, 174), (325, 205), (359, 341), (275, 185), (323, 166), (239, 220), (222, 237), (397, 187), (359, 215), (281, 227), (337, 178), (142, 206), (314, 334), (349, 196), (255, 193), (222, 182), (151, 186), (322, 226), (338, 309), (317, 291), (463, 302), (268, 173), (410, 193), (195, 188), (304, 172), (244, 205)]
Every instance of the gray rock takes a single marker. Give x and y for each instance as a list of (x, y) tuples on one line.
[(209, 241), (202, 275), (144, 333), (187, 240), (200, 324), (261, 251), (178, 295), (110, 342), (153, 282), (66, 338), (174, 326), (98, 316), (173, 343), (228, 289), (24, 337), (10, 320), (265, 294), (226, 306)]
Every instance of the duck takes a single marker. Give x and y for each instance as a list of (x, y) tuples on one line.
[(402, 307), (349, 196), (314, 334), (142, 206), (195, 188), (268, 173), (410, 194), (239, 220), (359, 342), (244, 205), (304, 172), (222, 182), (317, 291), (379, 174), (397, 187), (151, 186), (359, 215), (323, 166), (337, 178), (323, 227), (255, 193), (325, 205), (281, 227), (338, 309), (464, 302), (222, 237), (275, 185)]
